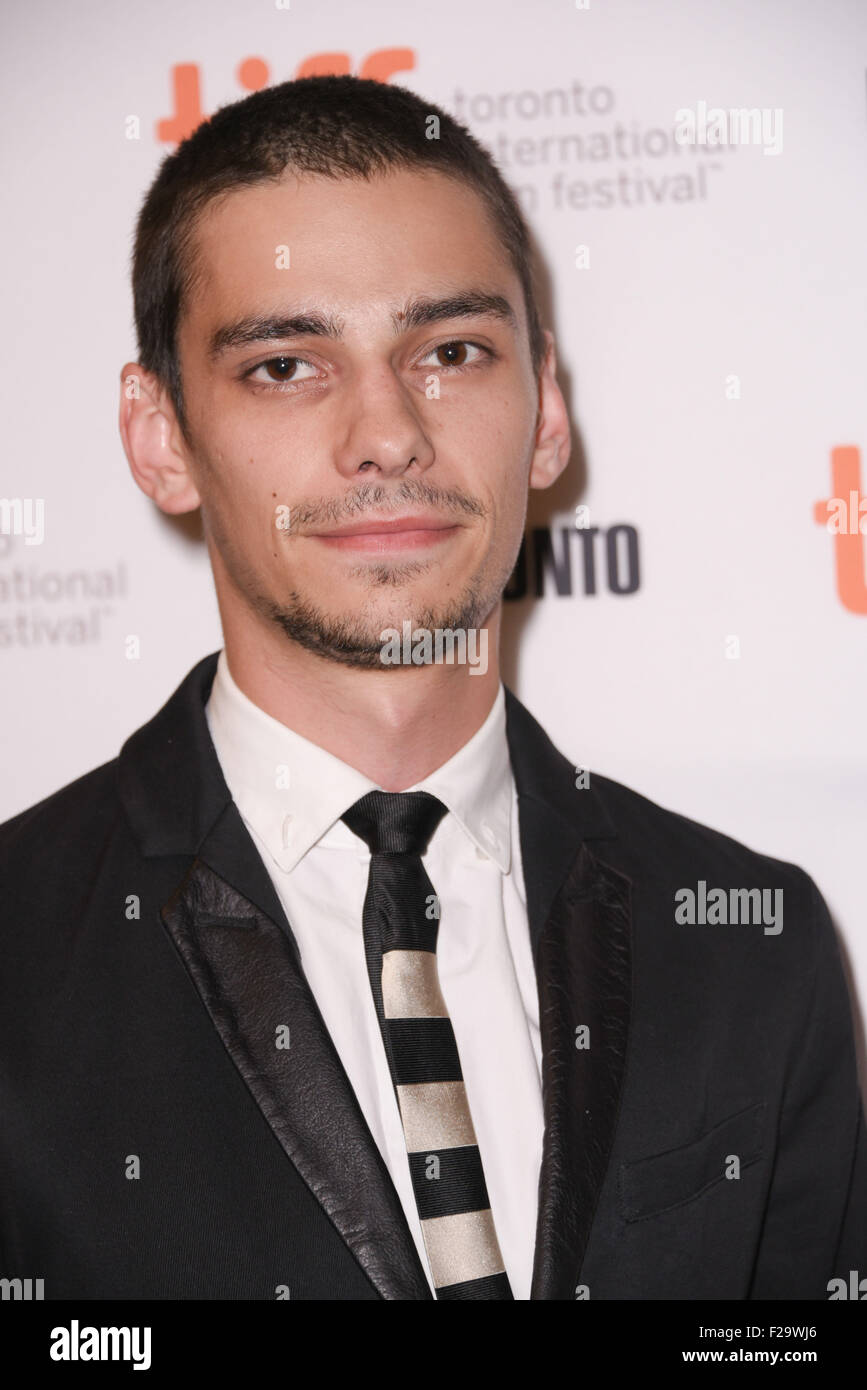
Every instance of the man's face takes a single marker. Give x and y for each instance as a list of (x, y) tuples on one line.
[(386, 405)]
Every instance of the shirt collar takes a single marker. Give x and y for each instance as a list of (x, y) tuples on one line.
[(292, 792)]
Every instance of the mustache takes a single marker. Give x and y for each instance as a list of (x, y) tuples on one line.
[(333, 511)]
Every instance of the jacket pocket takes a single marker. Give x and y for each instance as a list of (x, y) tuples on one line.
[(656, 1184)]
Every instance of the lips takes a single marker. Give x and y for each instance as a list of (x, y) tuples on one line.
[(387, 527), (383, 535)]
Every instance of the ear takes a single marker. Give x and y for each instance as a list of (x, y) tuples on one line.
[(553, 435), (159, 456)]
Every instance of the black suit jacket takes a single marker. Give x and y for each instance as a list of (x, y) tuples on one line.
[(157, 1144)]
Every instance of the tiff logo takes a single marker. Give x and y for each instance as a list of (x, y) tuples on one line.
[(254, 74), (843, 515)]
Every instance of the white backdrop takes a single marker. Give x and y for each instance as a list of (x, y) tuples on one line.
[(710, 334)]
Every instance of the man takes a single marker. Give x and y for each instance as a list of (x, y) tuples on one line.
[(339, 983)]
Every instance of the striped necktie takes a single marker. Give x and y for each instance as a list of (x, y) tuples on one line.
[(400, 922)]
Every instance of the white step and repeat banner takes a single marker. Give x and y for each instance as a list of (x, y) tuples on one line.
[(689, 614)]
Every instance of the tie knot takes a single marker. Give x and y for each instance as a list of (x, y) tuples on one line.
[(395, 822)]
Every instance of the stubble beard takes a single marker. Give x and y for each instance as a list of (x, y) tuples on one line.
[(355, 639)]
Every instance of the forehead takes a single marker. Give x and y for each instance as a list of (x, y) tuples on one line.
[(352, 243)]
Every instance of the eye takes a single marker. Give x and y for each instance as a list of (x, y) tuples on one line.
[(283, 370), (455, 354)]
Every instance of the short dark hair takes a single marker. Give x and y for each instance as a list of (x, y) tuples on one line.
[(342, 127)]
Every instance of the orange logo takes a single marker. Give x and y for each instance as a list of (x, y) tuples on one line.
[(253, 74), (844, 515)]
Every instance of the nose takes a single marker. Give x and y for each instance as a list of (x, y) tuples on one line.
[(383, 433)]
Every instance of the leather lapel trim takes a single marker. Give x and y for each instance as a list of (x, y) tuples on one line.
[(584, 976), (247, 975)]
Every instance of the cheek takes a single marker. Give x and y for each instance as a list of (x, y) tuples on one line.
[(243, 465), (237, 494), (495, 450), (501, 421), (480, 436)]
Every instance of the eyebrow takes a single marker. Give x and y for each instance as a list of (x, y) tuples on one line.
[(416, 313)]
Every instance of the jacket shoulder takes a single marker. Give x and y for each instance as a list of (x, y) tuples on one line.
[(68, 818), (651, 830)]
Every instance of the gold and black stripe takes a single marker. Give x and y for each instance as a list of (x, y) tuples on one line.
[(400, 938)]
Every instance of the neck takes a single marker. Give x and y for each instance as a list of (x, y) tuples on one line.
[(396, 726)]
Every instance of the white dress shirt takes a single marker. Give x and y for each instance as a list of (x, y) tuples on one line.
[(291, 794)]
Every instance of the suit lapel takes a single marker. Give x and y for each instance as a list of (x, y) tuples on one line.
[(247, 971), (229, 927), (580, 926)]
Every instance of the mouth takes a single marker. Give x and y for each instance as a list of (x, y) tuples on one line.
[(389, 534)]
